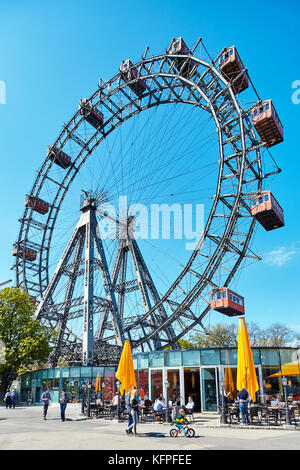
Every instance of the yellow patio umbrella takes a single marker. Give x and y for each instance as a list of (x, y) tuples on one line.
[(98, 383), (292, 368), (230, 383), (246, 375), (230, 387), (125, 373)]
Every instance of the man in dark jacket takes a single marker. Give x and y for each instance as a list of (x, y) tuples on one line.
[(46, 397), (63, 400), (243, 400)]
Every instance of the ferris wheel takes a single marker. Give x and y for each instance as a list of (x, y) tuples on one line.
[(167, 133)]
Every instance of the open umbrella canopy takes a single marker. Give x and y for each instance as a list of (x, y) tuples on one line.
[(98, 383), (230, 386), (246, 374), (125, 373), (290, 369)]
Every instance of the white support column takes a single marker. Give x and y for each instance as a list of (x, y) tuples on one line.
[(164, 378), (88, 330), (181, 383)]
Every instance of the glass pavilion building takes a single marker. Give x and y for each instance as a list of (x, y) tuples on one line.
[(195, 372)]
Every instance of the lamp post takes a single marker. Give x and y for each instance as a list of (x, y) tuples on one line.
[(287, 411), (167, 384), (103, 387), (223, 404), (118, 407), (82, 399), (88, 410)]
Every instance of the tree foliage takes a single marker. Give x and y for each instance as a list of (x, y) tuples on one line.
[(226, 335), (26, 340)]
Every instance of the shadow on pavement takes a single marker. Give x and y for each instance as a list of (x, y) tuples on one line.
[(159, 434)]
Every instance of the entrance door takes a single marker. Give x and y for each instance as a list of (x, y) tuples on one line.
[(156, 381), (192, 385), (209, 389)]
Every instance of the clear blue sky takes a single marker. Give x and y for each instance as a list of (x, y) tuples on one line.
[(53, 53)]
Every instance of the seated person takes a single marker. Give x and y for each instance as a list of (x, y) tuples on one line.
[(114, 401), (189, 407), (159, 407), (147, 402), (175, 399), (180, 421)]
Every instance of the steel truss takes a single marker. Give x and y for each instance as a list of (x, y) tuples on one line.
[(169, 316)]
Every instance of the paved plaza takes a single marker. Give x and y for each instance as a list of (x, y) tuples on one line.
[(25, 429)]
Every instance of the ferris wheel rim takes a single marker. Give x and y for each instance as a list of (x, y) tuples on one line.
[(234, 215)]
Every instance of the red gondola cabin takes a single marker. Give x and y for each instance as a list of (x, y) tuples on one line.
[(36, 204), (187, 68), (91, 114), (231, 67), (59, 157), (267, 211), (129, 73), (19, 251), (267, 123), (225, 301)]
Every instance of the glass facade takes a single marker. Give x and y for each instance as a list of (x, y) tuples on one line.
[(176, 374)]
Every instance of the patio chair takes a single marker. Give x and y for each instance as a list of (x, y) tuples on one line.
[(231, 413), (270, 415), (190, 412), (292, 410), (255, 413)]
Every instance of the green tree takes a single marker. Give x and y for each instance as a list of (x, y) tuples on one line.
[(226, 335), (26, 340)]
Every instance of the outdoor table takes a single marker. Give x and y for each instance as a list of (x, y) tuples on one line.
[(275, 412)]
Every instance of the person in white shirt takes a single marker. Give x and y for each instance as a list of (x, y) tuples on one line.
[(190, 404), (189, 407)]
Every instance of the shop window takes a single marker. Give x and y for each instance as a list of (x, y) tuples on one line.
[(270, 357), (173, 358), (156, 359), (156, 384), (85, 371), (191, 357), (143, 383), (142, 361), (210, 356)]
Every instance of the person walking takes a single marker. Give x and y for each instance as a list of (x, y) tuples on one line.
[(46, 397), (63, 400), (7, 399), (134, 413), (128, 411), (13, 399), (243, 400)]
